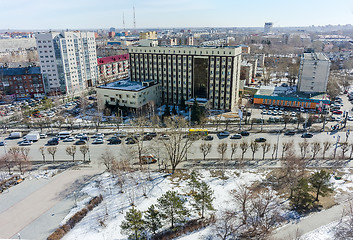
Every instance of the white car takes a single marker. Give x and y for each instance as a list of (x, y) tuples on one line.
[(80, 135), (69, 139), (26, 143), (350, 118)]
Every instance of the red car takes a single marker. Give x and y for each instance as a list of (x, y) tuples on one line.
[(337, 112)]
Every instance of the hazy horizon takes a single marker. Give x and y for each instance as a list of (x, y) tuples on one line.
[(91, 14)]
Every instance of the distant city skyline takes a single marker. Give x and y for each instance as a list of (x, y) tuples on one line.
[(92, 14)]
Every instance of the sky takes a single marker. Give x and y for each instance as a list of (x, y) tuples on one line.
[(93, 14)]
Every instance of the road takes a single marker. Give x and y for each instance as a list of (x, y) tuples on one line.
[(23, 207)]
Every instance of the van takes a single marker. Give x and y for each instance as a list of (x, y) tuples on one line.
[(63, 135)]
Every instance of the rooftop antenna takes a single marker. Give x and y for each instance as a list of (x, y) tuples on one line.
[(123, 21), (134, 18)]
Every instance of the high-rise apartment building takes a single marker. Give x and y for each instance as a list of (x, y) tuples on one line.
[(68, 61), (210, 73), (268, 27), (314, 71)]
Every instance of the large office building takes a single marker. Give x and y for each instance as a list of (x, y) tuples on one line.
[(313, 73), (68, 61), (210, 73), (268, 27)]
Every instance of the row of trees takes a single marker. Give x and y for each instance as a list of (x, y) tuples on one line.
[(70, 150), (170, 209), (306, 149), (16, 157)]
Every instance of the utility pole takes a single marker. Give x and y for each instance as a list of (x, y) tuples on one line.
[(134, 18)]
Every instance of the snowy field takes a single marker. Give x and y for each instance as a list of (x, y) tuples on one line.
[(103, 222)]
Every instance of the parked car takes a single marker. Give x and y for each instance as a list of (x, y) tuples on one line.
[(350, 118), (80, 135), (152, 134), (147, 137), (289, 133), (97, 135), (2, 143), (98, 141), (261, 139), (338, 112), (244, 133), (236, 136), (307, 135), (208, 138), (85, 138), (26, 143), (42, 135), (114, 141), (53, 141), (80, 142), (148, 159), (164, 137), (69, 139), (224, 134)]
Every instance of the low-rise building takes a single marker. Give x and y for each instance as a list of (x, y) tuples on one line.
[(113, 68), (130, 94), (20, 83), (289, 97)]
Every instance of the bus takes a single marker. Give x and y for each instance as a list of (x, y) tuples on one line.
[(198, 132)]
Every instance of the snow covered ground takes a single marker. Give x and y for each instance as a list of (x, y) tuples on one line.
[(103, 222)]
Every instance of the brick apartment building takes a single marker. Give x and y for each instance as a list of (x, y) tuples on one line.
[(113, 68), (21, 83)]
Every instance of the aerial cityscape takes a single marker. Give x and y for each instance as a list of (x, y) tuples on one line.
[(183, 119)]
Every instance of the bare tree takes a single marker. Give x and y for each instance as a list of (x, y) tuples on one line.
[(315, 149), (175, 145), (139, 130), (274, 150), (97, 120), (15, 154), (52, 151), (23, 161), (326, 146), (244, 146), (226, 225), (42, 152), (7, 162), (84, 150), (293, 170), (350, 155), (205, 149), (233, 147), (107, 159), (285, 148), (254, 146), (344, 149), (221, 149), (71, 151), (304, 145), (242, 197), (265, 148)]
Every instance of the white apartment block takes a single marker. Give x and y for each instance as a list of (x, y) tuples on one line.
[(313, 73), (68, 61), (210, 73)]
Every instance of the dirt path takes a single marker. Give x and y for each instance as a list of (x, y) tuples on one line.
[(24, 212)]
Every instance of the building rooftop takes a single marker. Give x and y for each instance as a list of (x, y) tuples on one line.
[(116, 58), (127, 85), (19, 71), (315, 57)]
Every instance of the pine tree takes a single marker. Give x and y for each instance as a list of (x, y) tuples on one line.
[(196, 112), (172, 208), (320, 181), (193, 181), (152, 219), (174, 111), (182, 104), (133, 225), (301, 197), (166, 111), (203, 198)]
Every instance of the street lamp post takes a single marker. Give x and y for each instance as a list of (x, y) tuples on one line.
[(277, 143)]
